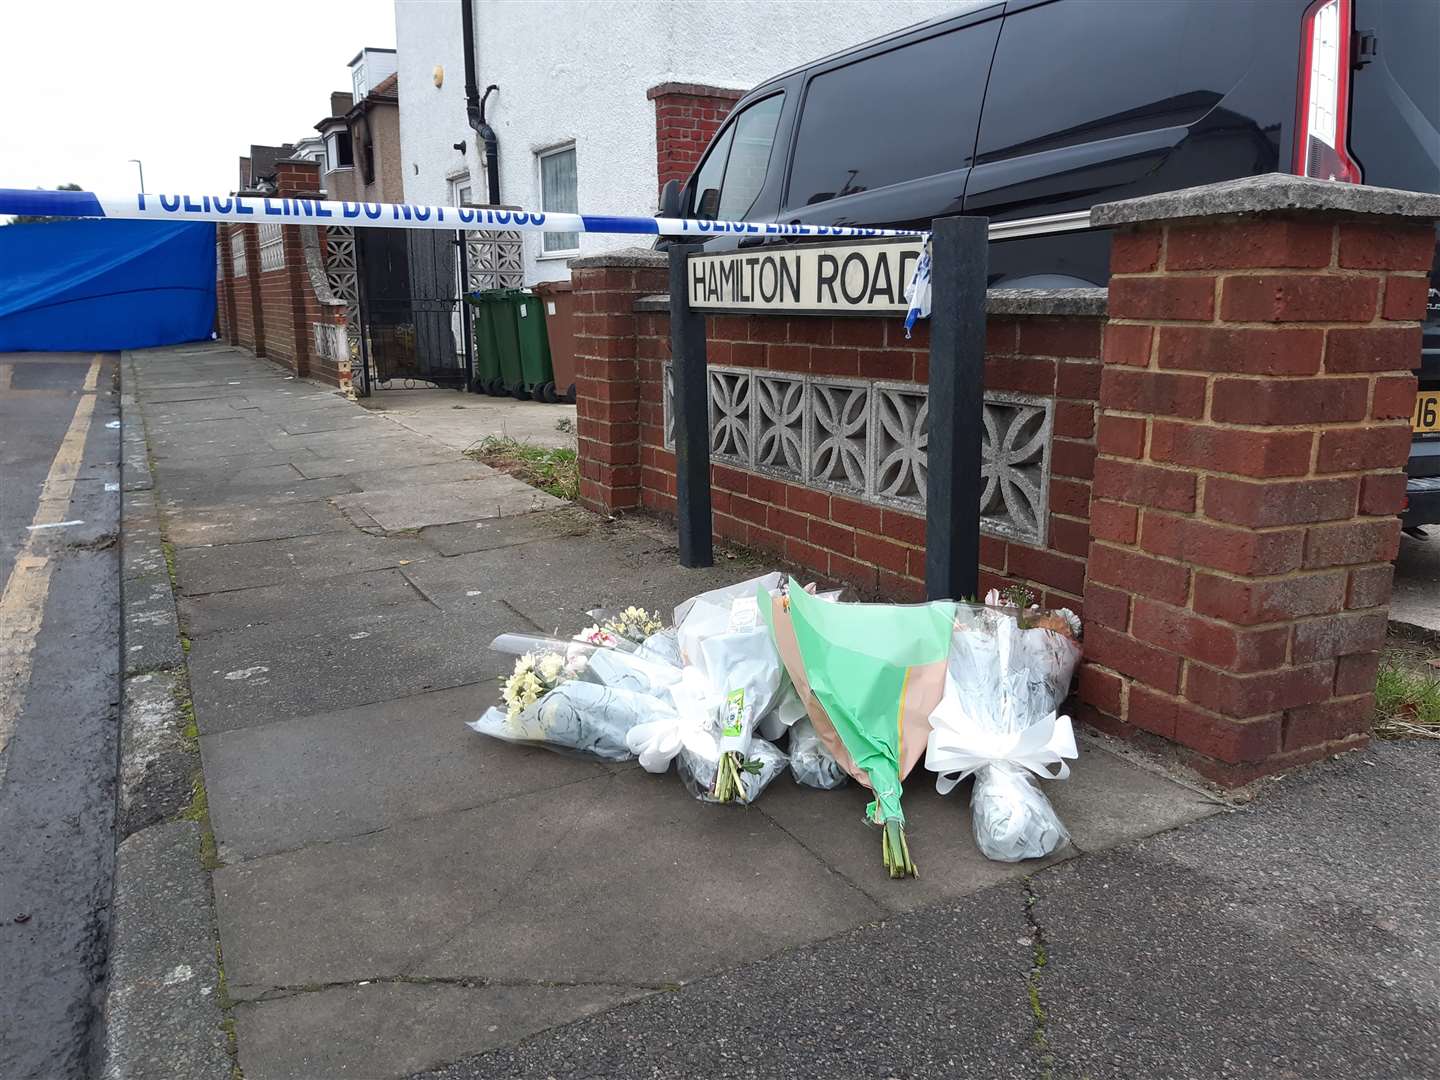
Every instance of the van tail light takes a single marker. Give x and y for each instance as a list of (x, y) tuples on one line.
[(1323, 119)]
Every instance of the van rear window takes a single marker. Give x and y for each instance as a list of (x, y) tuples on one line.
[(901, 115)]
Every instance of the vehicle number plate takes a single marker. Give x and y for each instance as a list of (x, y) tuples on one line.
[(1427, 413)]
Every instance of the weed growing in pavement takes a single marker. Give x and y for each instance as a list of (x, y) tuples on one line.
[(1407, 702), (555, 471)]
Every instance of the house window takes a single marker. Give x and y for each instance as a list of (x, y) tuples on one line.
[(557, 196), (340, 154), (272, 246), (460, 190)]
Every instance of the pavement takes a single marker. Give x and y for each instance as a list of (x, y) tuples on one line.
[(458, 420), (395, 894), (1415, 601), (59, 706)]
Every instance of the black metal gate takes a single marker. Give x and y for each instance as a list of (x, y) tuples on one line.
[(414, 322)]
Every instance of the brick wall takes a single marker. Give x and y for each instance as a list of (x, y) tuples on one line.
[(875, 548), (1226, 449), (1254, 429), (686, 116), (281, 306)]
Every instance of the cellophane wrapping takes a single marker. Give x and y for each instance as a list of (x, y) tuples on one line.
[(1005, 678)]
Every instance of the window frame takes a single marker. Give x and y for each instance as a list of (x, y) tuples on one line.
[(540, 156)]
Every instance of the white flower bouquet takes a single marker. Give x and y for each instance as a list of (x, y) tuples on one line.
[(1009, 670)]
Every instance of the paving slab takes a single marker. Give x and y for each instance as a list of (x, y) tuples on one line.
[(463, 537), (494, 495), (369, 439), (939, 994), (388, 1029), (292, 561), (461, 421), (194, 527), (311, 421), (223, 466), (367, 459), (624, 878), (377, 477), (261, 674), (275, 787), (198, 495), (162, 1019), (340, 603)]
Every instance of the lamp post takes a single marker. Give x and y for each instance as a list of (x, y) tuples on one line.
[(136, 162)]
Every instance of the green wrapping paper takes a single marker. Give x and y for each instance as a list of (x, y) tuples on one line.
[(875, 671)]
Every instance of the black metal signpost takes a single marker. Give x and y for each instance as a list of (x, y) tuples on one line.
[(691, 413), (956, 420), (959, 258)]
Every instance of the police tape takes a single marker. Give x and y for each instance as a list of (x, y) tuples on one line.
[(291, 210)]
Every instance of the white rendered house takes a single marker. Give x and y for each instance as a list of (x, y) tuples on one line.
[(580, 86)]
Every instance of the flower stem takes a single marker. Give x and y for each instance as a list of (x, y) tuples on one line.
[(895, 851)]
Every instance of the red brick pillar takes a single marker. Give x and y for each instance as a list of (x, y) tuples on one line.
[(607, 377), (298, 178), (225, 284), (686, 116), (250, 237), (1253, 432)]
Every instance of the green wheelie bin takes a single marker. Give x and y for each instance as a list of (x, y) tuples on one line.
[(486, 376), (534, 344)]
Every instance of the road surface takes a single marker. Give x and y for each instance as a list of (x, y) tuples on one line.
[(59, 703)]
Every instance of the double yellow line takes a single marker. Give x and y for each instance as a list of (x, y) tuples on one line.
[(22, 604)]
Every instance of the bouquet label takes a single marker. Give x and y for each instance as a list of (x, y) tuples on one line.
[(734, 714), (744, 613)]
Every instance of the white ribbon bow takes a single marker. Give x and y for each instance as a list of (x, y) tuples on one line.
[(657, 742), (959, 746)]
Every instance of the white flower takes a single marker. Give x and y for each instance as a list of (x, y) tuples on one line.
[(992, 598), (551, 667)]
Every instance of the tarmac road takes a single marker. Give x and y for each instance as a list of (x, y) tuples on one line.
[(59, 703)]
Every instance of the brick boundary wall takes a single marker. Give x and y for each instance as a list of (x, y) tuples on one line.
[(687, 115), (1039, 344), (1254, 429), (1241, 415), (286, 313)]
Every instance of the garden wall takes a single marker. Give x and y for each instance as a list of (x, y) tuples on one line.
[(273, 296), (1208, 467)]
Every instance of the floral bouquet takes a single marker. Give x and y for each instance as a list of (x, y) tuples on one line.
[(721, 635), (1008, 671), (870, 676), (573, 697)]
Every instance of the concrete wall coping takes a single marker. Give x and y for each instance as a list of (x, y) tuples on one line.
[(1270, 192), (1076, 302), (624, 259)]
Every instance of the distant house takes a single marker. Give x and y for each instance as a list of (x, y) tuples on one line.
[(257, 171), (593, 112), (362, 134)]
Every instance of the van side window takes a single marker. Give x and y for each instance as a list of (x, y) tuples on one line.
[(1075, 71), (734, 171), (901, 115), (749, 158)]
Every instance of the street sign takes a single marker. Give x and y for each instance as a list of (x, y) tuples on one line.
[(854, 278)]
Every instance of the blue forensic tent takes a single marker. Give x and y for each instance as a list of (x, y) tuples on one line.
[(105, 284)]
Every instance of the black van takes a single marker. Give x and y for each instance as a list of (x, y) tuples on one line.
[(1032, 111)]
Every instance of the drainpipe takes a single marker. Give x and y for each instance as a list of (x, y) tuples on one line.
[(475, 107)]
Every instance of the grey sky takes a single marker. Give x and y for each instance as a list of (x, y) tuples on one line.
[(185, 85)]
